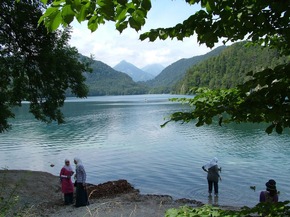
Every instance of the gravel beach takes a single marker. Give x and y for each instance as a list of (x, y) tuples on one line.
[(39, 194)]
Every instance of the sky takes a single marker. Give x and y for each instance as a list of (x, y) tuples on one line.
[(106, 44)]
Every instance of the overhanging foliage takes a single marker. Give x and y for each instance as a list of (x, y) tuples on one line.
[(262, 99), (35, 66), (123, 12)]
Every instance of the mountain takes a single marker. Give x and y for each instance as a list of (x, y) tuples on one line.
[(173, 73), (104, 80), (153, 69), (134, 72)]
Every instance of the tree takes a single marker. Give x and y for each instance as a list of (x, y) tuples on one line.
[(264, 98), (30, 65)]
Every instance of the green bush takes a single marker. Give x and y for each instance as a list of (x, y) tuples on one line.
[(280, 209)]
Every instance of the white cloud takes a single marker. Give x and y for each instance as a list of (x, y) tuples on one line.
[(111, 47)]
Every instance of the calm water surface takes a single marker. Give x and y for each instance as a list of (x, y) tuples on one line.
[(119, 137)]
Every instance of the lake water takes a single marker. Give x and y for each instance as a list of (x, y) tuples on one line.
[(119, 137)]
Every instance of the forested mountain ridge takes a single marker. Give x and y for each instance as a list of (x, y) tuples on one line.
[(104, 80), (223, 67), (229, 68), (164, 82)]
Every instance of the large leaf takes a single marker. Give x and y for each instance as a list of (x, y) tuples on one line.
[(93, 24), (56, 20), (67, 14)]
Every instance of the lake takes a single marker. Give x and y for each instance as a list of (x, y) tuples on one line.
[(119, 137)]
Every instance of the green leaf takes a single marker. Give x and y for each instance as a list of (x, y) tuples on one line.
[(261, 18), (153, 35), (50, 11), (122, 2), (121, 13), (67, 14), (220, 121), (93, 24), (43, 1), (192, 1), (239, 16), (269, 129), (138, 16), (146, 4), (77, 5), (203, 3), (208, 121), (81, 16), (41, 19), (55, 21), (143, 36), (134, 24), (120, 26), (279, 129), (208, 7), (199, 123), (163, 35), (107, 9)]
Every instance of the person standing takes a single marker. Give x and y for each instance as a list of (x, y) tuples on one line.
[(271, 194), (80, 176), (213, 175), (67, 187)]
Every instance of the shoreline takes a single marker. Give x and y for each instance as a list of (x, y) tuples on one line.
[(40, 192)]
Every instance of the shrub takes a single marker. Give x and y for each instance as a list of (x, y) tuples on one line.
[(280, 209)]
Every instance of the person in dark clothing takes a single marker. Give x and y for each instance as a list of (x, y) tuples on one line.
[(213, 175), (270, 195), (81, 192)]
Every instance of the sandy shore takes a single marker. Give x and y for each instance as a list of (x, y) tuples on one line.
[(124, 205), (40, 194)]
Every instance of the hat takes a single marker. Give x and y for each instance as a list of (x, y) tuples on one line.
[(271, 185)]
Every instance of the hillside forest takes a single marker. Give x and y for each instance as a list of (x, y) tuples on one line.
[(103, 80), (224, 67), (229, 68)]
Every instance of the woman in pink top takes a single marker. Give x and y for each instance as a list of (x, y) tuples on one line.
[(67, 187)]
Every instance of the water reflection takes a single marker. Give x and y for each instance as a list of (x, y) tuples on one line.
[(213, 200)]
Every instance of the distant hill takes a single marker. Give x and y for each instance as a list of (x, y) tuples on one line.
[(153, 69), (229, 68), (223, 67), (164, 82), (104, 80), (134, 72)]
